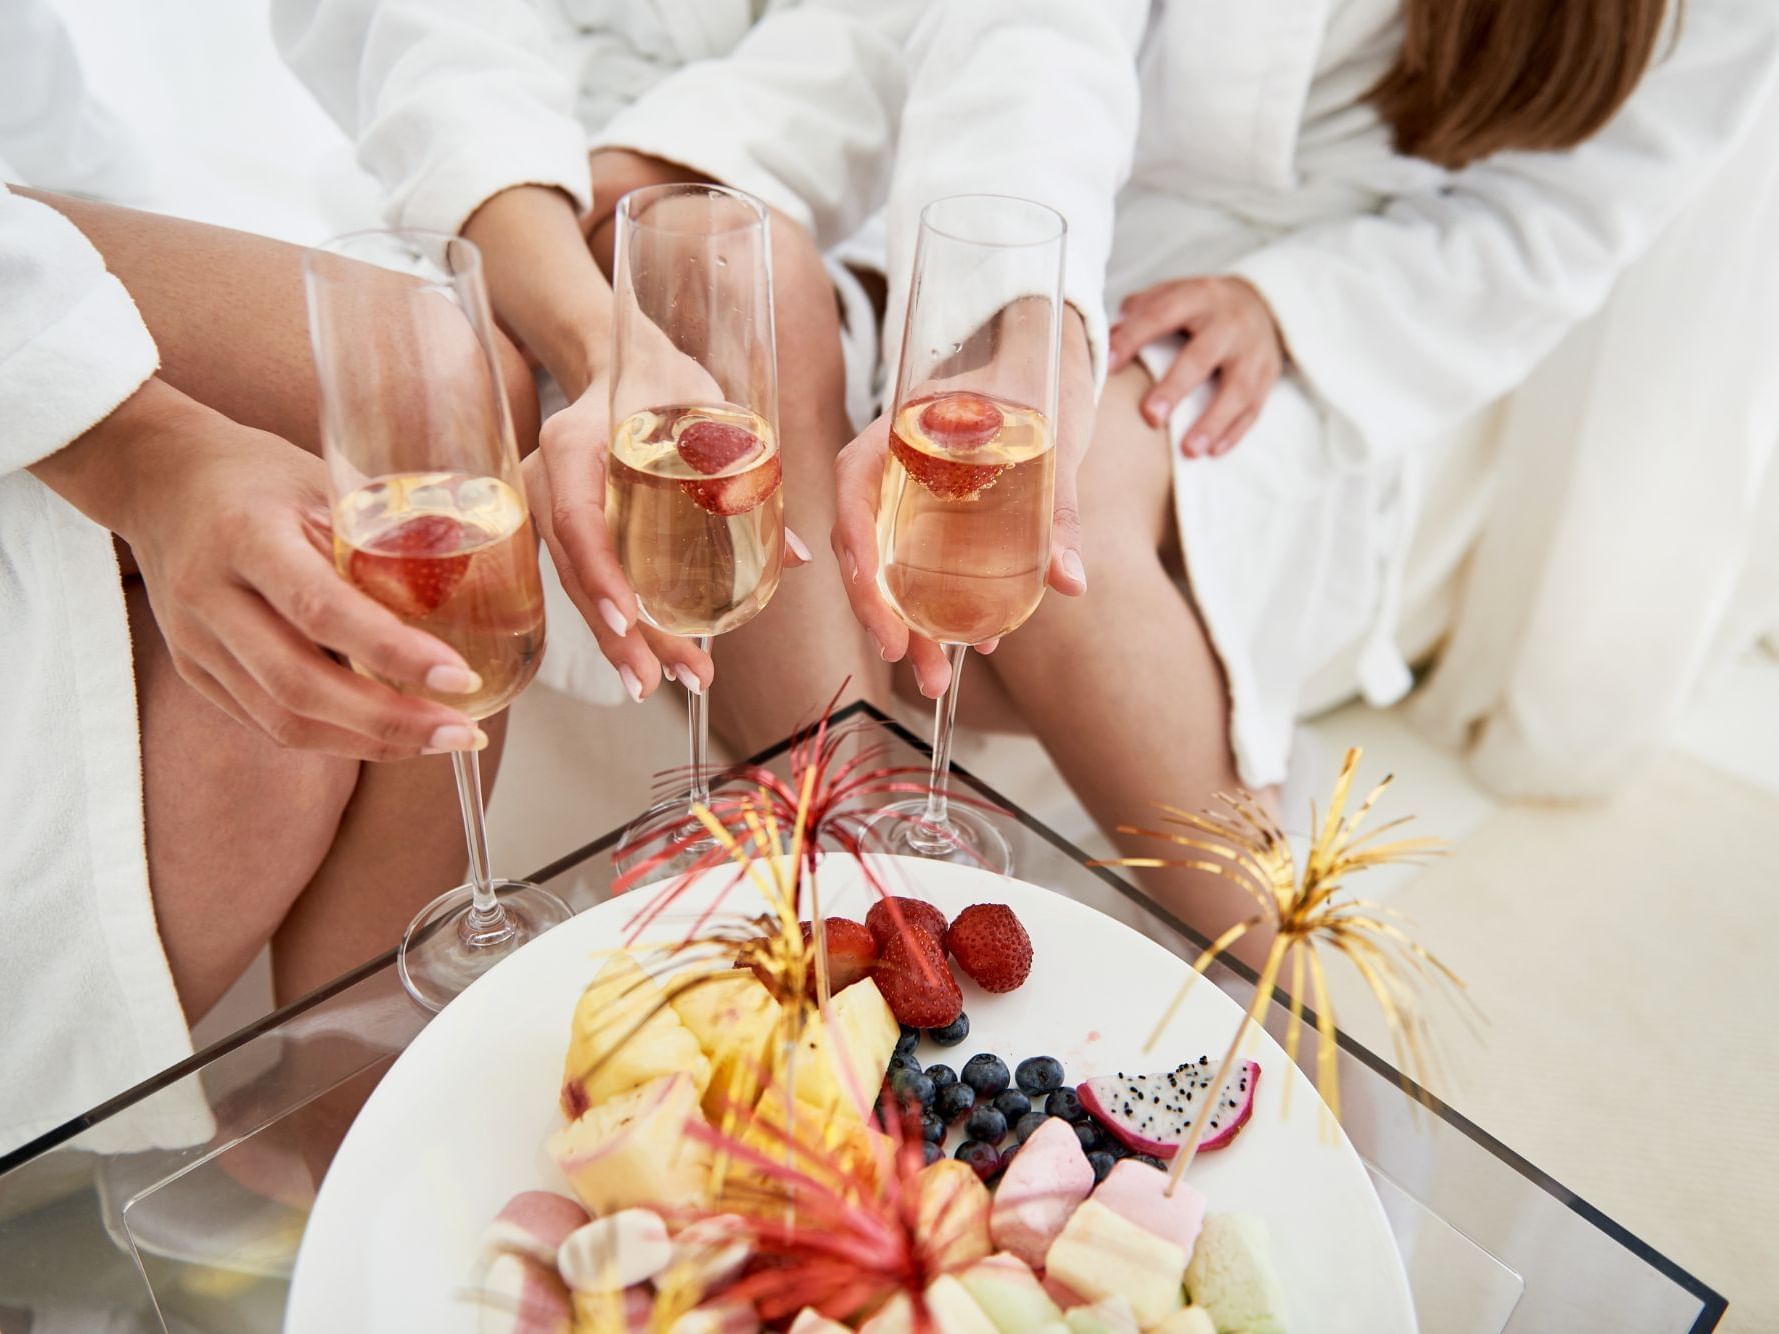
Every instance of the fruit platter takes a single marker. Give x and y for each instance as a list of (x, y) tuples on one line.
[(972, 1137)]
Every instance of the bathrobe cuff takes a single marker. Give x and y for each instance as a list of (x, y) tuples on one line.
[(801, 114), (444, 190), (449, 102), (72, 343)]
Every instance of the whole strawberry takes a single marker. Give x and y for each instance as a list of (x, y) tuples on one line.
[(915, 913), (916, 982), (991, 946)]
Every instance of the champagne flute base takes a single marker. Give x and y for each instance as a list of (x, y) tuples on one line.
[(965, 837), (668, 839), (446, 947)]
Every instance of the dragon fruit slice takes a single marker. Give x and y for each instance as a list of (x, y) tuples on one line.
[(1153, 1113)]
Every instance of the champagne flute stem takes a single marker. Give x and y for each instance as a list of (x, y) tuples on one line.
[(938, 812), (486, 921), (698, 715)]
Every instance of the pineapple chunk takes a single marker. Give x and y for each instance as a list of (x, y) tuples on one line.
[(624, 1035), (842, 1155), (734, 1019), (864, 1036), (634, 1150), (951, 1215)]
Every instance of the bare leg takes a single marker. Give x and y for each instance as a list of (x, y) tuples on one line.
[(397, 847), (249, 843), (780, 669), (236, 826), (1121, 685)]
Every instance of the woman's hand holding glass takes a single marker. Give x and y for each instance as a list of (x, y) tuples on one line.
[(248, 600), (858, 477), (1230, 333)]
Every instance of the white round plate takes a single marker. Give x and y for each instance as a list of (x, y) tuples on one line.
[(458, 1124)]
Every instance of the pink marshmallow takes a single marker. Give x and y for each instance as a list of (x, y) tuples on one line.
[(533, 1224), (1039, 1192), (1137, 1193)]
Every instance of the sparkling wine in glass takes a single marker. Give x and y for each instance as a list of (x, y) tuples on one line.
[(694, 497), (963, 519), (429, 518)]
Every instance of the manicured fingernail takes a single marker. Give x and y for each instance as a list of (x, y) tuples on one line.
[(1071, 566), (689, 679), (448, 679), (882, 652), (795, 543), (1195, 444), (454, 736), (608, 611), (631, 685), (668, 673), (1155, 409), (937, 688)]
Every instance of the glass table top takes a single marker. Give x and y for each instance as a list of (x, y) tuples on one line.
[(180, 1204)]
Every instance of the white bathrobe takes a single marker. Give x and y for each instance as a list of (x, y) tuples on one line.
[(1409, 297), (448, 102), (87, 1004)]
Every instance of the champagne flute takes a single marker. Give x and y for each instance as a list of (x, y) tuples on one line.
[(693, 502), (429, 518), (963, 519)]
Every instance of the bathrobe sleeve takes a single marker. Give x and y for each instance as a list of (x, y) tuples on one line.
[(801, 113), (449, 101), (72, 344), (1406, 321), (1032, 98)]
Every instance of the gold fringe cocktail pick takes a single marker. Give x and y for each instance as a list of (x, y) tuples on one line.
[(1243, 843)]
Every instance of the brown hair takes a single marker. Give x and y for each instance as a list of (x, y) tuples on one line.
[(1479, 76)]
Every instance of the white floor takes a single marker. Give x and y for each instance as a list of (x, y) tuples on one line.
[(1622, 950)]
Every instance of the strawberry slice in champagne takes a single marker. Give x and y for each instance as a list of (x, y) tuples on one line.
[(964, 519), (455, 556), (695, 507)]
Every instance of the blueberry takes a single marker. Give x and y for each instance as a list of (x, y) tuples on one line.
[(953, 1101), (1027, 1125), (902, 1061), (931, 1152), (932, 1129), (1088, 1135), (1101, 1163), (1012, 1104), (953, 1033), (941, 1075), (1040, 1074), (1150, 1160), (912, 1087), (986, 1124), (1115, 1146), (1066, 1103), (909, 1040), (1007, 1156), (986, 1074), (981, 1157)]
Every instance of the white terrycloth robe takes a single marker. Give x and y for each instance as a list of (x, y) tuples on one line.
[(1410, 298), (449, 102), (87, 1005)]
